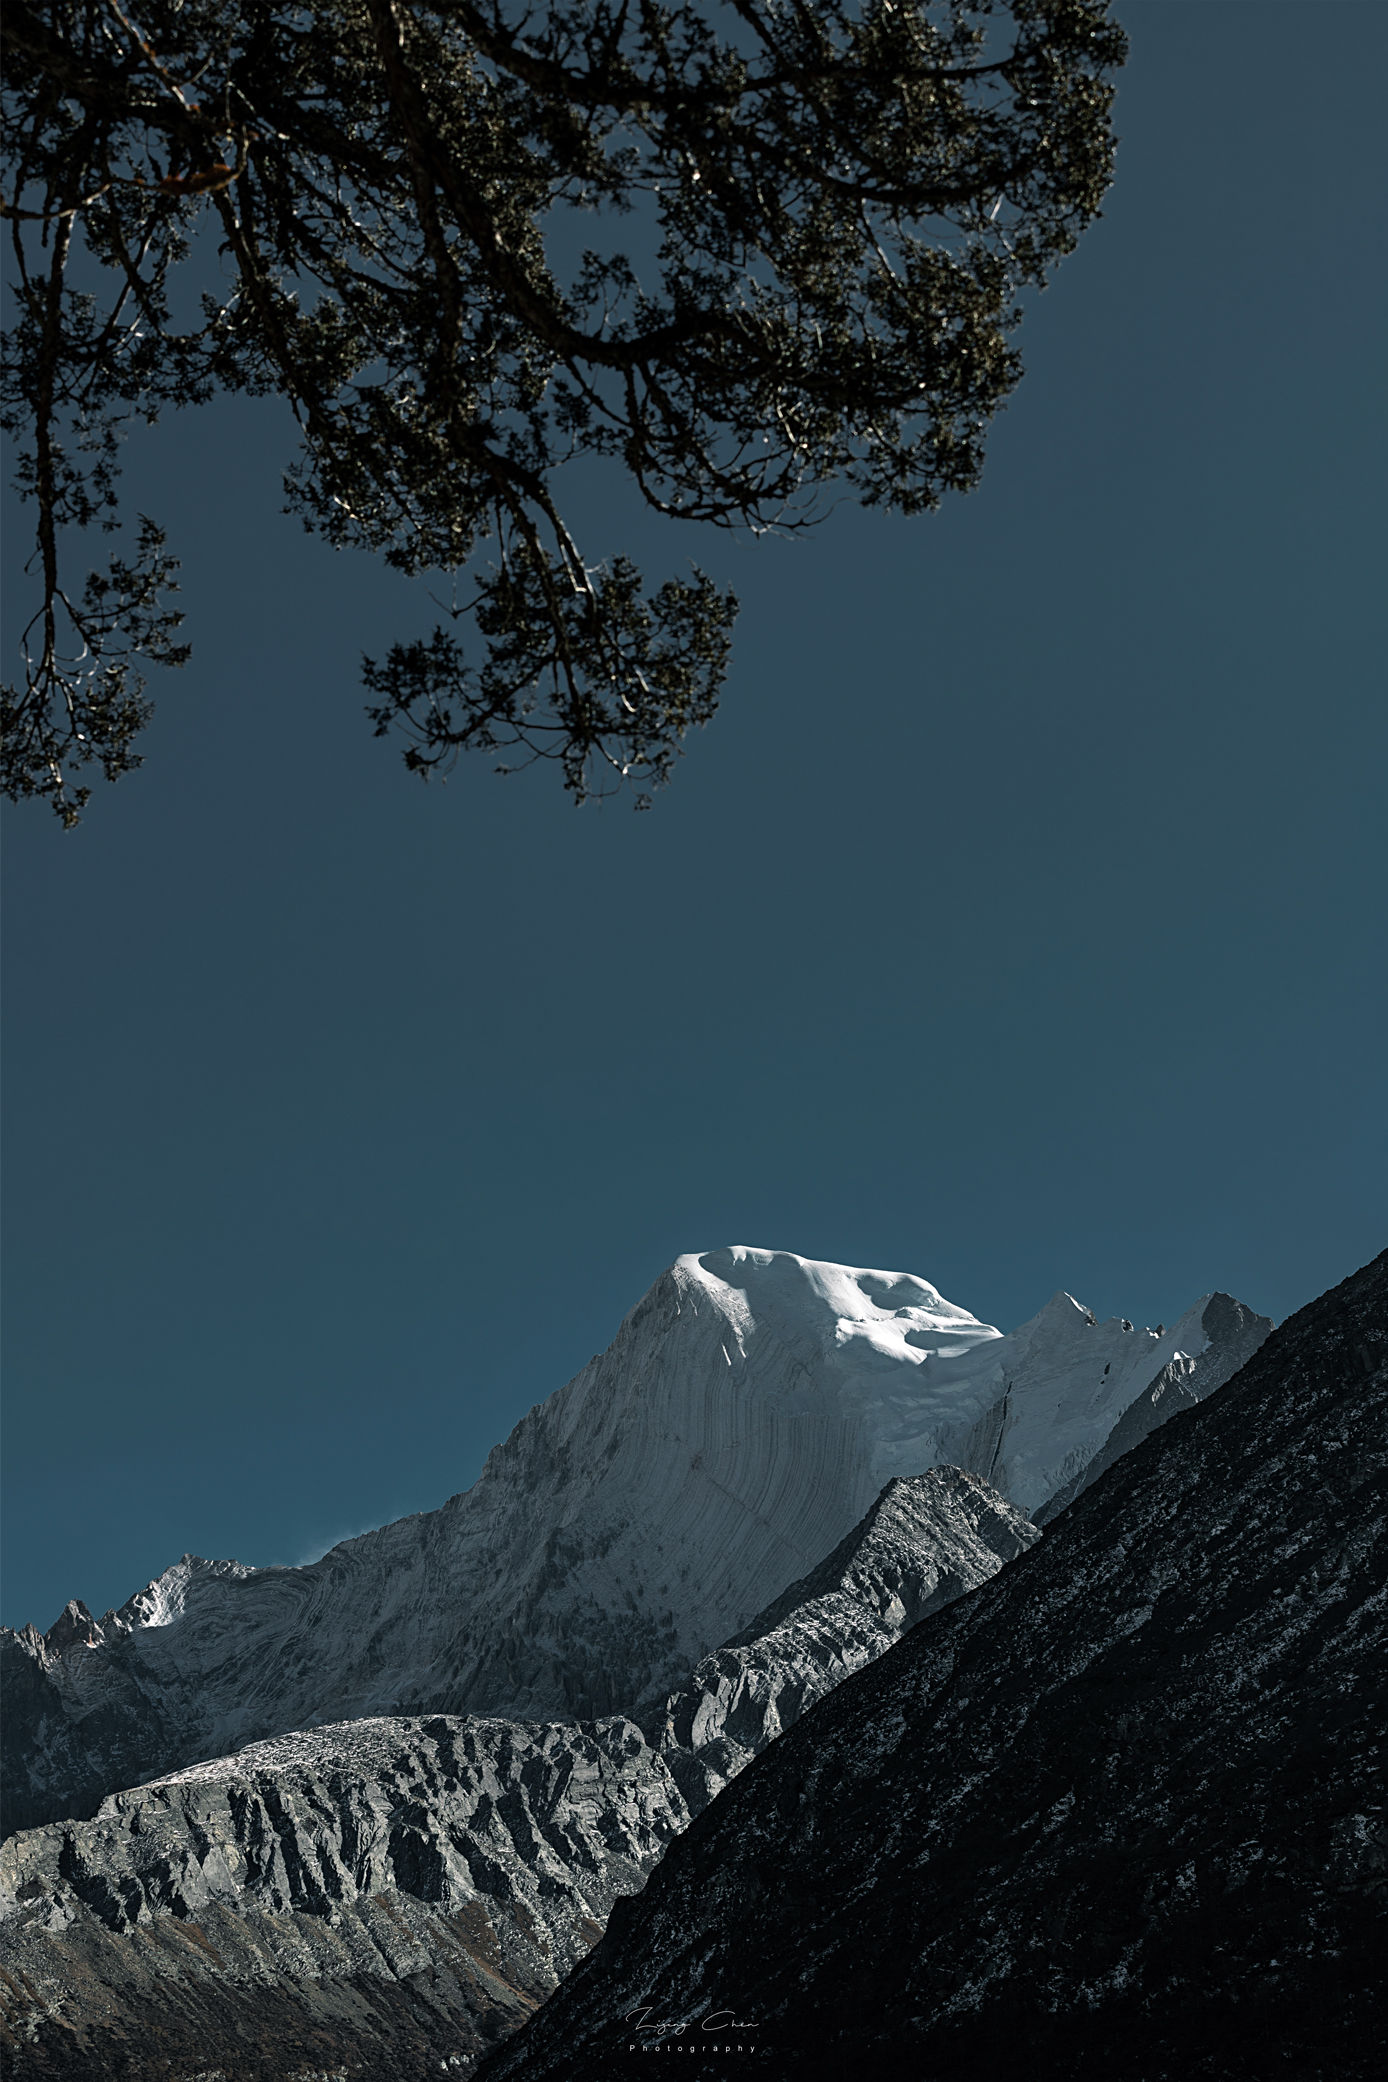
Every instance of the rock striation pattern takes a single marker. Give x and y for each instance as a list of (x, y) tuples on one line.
[(1121, 1812), (924, 1543), (740, 1424), (399, 1893)]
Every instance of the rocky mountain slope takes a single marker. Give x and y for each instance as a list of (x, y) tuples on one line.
[(1119, 1813), (745, 1415), (399, 1893)]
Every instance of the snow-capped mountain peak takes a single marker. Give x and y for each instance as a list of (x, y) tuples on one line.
[(887, 1308), (746, 1414)]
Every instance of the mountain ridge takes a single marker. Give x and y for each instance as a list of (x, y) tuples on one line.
[(750, 1406)]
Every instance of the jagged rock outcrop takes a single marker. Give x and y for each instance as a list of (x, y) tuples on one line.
[(396, 1893), (1231, 1334), (745, 1415), (923, 1544), (1119, 1813)]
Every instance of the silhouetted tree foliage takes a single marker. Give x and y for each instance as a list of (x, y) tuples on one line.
[(829, 209)]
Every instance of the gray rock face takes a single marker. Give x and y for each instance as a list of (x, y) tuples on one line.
[(1232, 1335), (1120, 1813), (546, 1821), (402, 1891)]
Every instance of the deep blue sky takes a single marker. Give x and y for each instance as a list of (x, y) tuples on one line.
[(1017, 923)]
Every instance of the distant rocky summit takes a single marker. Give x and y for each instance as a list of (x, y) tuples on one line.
[(1120, 1813), (745, 1416)]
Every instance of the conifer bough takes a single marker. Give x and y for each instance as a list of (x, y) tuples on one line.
[(745, 250)]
